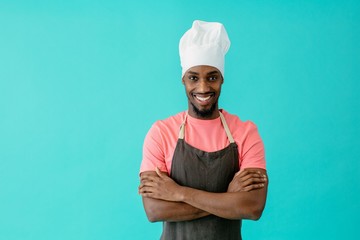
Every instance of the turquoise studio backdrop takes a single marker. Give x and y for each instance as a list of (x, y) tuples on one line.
[(81, 82)]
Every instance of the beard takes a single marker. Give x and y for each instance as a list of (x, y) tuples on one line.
[(204, 113)]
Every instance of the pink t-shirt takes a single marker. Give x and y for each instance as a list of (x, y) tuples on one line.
[(206, 135)]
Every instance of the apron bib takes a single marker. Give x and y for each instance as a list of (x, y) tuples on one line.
[(208, 171)]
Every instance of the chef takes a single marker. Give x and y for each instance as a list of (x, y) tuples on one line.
[(203, 170)]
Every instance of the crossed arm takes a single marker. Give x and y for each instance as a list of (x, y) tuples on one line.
[(165, 200)]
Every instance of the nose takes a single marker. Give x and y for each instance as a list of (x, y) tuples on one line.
[(203, 86)]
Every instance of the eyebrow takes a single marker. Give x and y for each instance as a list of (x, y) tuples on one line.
[(213, 72), (191, 72), (209, 73)]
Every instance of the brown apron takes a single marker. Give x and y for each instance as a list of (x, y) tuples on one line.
[(208, 171)]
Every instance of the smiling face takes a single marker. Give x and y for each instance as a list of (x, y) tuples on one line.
[(203, 87)]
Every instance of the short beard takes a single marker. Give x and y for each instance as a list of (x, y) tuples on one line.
[(205, 113)]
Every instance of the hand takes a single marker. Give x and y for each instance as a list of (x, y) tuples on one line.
[(159, 186), (247, 180)]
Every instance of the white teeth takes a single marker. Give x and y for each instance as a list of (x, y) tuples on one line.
[(203, 99)]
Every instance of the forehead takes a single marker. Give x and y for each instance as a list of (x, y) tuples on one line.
[(203, 69)]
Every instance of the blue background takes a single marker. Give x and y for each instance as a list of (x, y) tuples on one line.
[(81, 82)]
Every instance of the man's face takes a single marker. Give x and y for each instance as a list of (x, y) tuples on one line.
[(203, 87)]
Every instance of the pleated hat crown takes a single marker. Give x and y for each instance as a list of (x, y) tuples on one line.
[(205, 43)]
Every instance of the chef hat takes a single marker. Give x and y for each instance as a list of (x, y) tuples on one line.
[(206, 43)]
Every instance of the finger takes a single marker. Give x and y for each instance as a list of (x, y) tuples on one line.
[(251, 181), (241, 179), (147, 194), (150, 195), (145, 189), (245, 172), (253, 172), (149, 189), (147, 180), (148, 184), (146, 177), (252, 176), (253, 187), (242, 172), (142, 186)]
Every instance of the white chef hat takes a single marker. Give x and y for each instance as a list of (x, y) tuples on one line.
[(205, 43)]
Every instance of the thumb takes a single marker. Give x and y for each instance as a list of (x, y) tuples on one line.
[(158, 172), (238, 173)]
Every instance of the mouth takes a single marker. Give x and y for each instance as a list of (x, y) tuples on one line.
[(203, 98)]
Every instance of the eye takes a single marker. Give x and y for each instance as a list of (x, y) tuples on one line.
[(213, 78), (192, 77)]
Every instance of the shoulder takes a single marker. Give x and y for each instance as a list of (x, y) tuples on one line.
[(170, 123), (235, 123), (167, 127)]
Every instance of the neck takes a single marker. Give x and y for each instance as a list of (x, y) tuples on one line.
[(209, 114)]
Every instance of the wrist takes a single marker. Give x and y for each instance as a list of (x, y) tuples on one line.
[(182, 194)]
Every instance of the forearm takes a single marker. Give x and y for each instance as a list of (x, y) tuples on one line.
[(164, 199), (160, 210), (236, 205)]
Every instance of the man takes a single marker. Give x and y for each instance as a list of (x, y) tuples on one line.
[(203, 170)]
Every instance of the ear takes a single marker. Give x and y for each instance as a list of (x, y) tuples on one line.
[(183, 81)]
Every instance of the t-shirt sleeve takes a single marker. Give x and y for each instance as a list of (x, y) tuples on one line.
[(253, 152), (153, 151)]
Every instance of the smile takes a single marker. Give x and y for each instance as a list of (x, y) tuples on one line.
[(203, 97)]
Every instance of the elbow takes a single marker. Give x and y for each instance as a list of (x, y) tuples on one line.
[(152, 219), (255, 214), (250, 215), (251, 212), (152, 210), (152, 215), (256, 211)]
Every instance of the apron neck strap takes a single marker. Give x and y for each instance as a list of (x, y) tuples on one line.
[(182, 127), (227, 130), (222, 118)]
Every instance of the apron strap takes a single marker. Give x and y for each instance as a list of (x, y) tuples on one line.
[(227, 130), (222, 118), (182, 127)]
